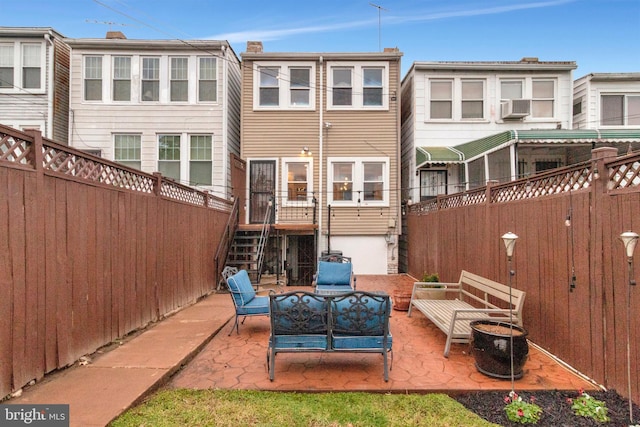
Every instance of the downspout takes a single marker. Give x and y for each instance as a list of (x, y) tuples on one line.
[(50, 63), (225, 140), (514, 155), (321, 156)]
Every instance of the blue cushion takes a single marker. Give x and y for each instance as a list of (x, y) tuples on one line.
[(341, 342), (333, 289), (241, 289), (258, 305), (333, 273)]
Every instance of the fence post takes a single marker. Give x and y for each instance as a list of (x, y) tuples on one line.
[(157, 186)]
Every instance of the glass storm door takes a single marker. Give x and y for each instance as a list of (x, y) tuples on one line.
[(262, 179)]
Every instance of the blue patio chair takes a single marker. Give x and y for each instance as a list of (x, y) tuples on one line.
[(335, 275), (244, 297)]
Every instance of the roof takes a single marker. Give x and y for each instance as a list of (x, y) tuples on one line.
[(472, 149), (523, 64)]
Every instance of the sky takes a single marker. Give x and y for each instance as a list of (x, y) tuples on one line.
[(601, 36)]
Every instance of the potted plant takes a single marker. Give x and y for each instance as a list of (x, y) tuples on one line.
[(491, 344), (430, 293)]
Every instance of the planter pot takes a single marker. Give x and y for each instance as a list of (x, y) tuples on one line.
[(491, 348), (401, 300), (430, 294)]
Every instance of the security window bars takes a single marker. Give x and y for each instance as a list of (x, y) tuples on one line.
[(127, 150), (122, 78), (179, 79), (93, 78), (150, 79), (169, 156), (200, 163), (207, 82)]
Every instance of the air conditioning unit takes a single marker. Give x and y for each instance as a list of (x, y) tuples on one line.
[(515, 108)]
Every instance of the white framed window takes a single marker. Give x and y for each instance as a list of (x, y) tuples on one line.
[(93, 78), (200, 159), (620, 109), (543, 93), (169, 156), (179, 79), (284, 86), (32, 66), (22, 67), (297, 178), (472, 102), (511, 89), (207, 80), (150, 87), (441, 99), (362, 181), (358, 85), (122, 78), (7, 66), (127, 150)]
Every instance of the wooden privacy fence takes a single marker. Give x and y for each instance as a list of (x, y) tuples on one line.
[(568, 257), (90, 251)]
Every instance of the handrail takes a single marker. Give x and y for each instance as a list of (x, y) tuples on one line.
[(264, 235), (227, 238)]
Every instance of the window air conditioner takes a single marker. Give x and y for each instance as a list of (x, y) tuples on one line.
[(516, 108)]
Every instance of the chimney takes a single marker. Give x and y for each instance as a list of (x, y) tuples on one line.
[(391, 50), (254, 47), (116, 35), (530, 59)]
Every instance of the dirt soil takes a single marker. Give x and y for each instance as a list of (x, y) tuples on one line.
[(556, 412)]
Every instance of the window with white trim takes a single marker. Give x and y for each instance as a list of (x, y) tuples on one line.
[(127, 150), (31, 66), (150, 87), (441, 96), (22, 67), (542, 98), (511, 89), (472, 103), (207, 81), (284, 86), (358, 181), (179, 79), (620, 109), (358, 85), (122, 78), (297, 178), (7, 66), (460, 99), (200, 160), (169, 156), (93, 78)]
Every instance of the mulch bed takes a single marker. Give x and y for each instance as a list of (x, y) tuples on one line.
[(556, 412)]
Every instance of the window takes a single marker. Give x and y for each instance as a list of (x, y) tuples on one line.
[(373, 180), (297, 179), (207, 82), (6, 66), (358, 85), (269, 87), (93, 78), (441, 99), (169, 156), (179, 89), (31, 66), (511, 89), (472, 99), (372, 86), (121, 78), (543, 94), (127, 150), (358, 181), (620, 110), (300, 86), (150, 79), (200, 160)]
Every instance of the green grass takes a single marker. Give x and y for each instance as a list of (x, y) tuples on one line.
[(261, 408)]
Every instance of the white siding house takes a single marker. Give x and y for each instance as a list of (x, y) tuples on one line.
[(158, 105), (34, 81), (449, 104)]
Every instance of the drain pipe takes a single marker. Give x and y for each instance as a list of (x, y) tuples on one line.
[(321, 155)]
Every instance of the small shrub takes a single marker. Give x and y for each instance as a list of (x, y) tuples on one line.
[(430, 277), (519, 411), (586, 406)]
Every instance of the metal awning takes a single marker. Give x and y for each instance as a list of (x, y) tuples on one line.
[(433, 155)]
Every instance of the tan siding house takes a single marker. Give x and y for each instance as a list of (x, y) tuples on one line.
[(321, 138), (158, 105)]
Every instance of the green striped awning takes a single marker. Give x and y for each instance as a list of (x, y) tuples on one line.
[(431, 155)]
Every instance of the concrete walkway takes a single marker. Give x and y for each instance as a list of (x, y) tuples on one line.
[(191, 345), (116, 380)]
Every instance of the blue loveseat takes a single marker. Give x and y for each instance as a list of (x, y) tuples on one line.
[(348, 322)]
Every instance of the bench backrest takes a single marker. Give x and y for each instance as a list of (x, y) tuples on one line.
[(487, 287), (360, 314), (298, 313)]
